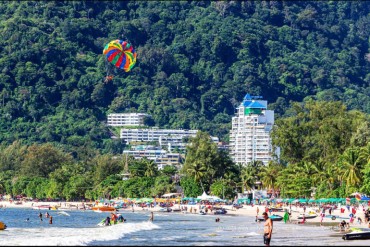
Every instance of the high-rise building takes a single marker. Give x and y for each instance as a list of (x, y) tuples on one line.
[(250, 134)]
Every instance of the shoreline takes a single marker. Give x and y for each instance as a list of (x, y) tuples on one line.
[(246, 210)]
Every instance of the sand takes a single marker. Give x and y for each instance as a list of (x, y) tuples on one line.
[(246, 210)]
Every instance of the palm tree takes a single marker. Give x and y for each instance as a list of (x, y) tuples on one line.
[(318, 173), (365, 153), (351, 162), (198, 171), (269, 175), (248, 176), (151, 168)]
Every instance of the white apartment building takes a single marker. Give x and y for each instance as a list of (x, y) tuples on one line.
[(170, 138), (161, 157), (126, 119), (250, 134)]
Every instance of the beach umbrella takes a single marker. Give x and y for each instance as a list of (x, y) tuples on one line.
[(342, 200)]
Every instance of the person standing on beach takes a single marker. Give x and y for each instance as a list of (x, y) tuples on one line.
[(322, 215), (267, 229), (286, 216)]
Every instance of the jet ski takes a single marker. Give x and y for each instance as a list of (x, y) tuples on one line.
[(307, 216), (273, 217)]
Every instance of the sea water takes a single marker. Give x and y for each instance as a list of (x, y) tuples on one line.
[(80, 228)]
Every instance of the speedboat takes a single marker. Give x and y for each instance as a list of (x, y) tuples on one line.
[(47, 207), (103, 209), (2, 226), (357, 233)]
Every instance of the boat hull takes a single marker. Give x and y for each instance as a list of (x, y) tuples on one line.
[(2, 226), (356, 235), (307, 217), (104, 209)]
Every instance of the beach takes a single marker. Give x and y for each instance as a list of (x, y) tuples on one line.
[(237, 227), (246, 210)]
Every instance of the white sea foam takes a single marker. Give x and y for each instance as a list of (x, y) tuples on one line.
[(253, 234), (70, 236)]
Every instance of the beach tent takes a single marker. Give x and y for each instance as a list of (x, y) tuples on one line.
[(206, 197)]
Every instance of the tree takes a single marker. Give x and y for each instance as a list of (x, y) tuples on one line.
[(352, 166), (190, 187), (248, 176), (162, 185), (204, 161), (106, 165), (168, 170), (318, 130), (269, 175), (222, 189), (151, 168), (198, 172)]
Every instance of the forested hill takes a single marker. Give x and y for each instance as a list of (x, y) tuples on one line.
[(196, 60)]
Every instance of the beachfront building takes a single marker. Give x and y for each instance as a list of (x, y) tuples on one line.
[(160, 156), (171, 139), (126, 119), (250, 134)]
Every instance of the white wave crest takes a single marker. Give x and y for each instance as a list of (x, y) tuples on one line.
[(70, 236)]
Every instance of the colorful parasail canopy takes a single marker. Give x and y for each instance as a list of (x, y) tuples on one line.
[(121, 54)]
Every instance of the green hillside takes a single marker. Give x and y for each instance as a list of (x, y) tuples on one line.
[(196, 60)]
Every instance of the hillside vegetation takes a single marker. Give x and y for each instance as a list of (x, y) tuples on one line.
[(196, 61)]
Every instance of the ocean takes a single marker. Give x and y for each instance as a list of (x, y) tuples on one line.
[(175, 229)]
